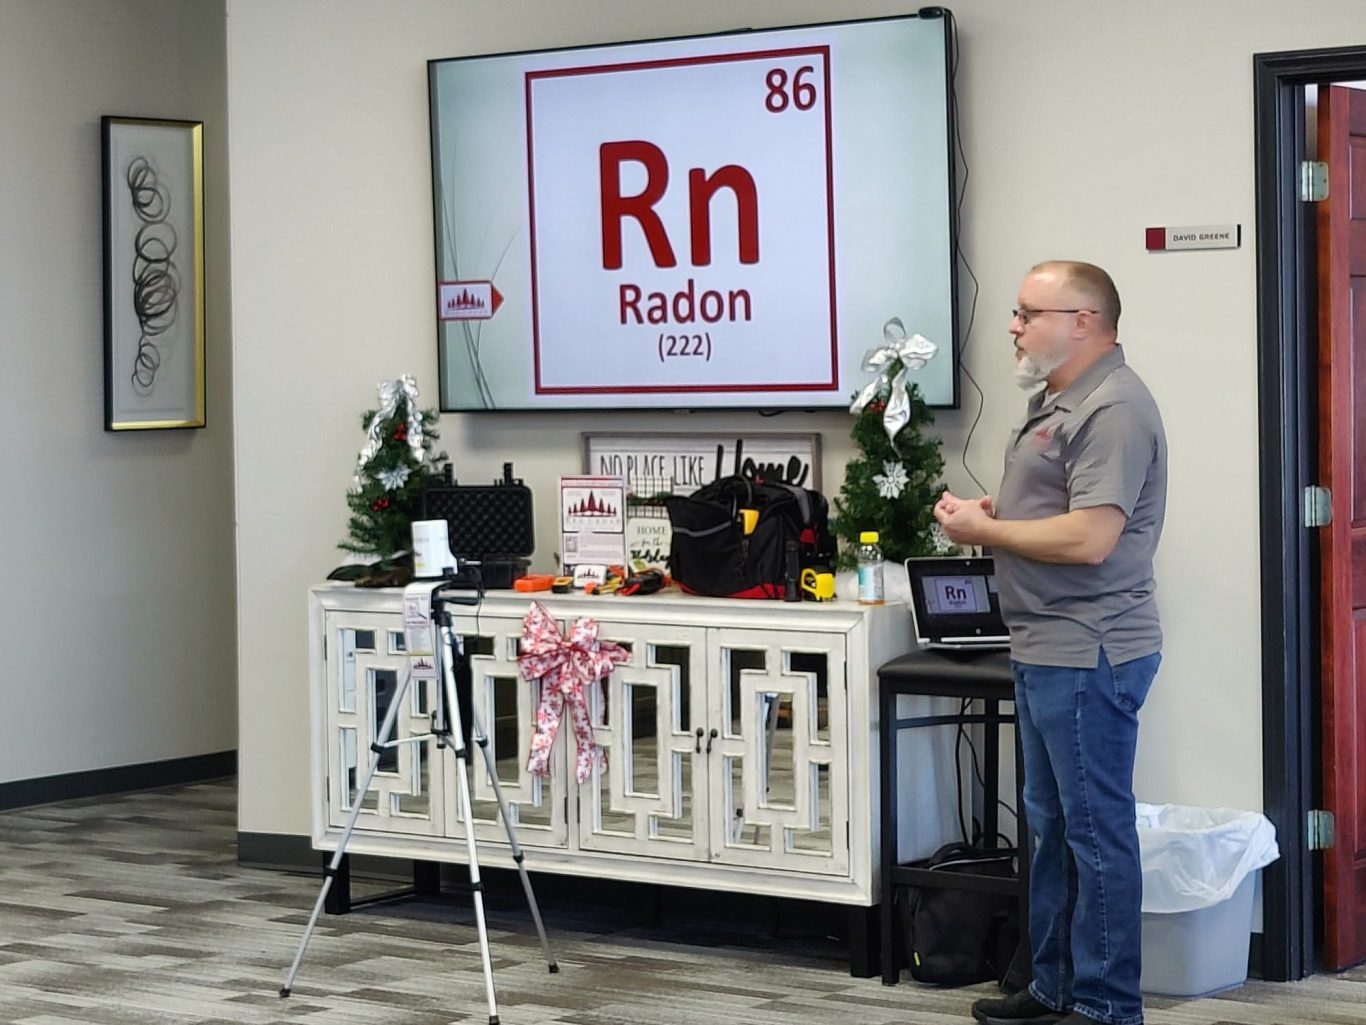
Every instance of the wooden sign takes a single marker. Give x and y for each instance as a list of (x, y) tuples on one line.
[(679, 464)]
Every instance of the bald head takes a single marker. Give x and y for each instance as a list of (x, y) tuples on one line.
[(1091, 283)]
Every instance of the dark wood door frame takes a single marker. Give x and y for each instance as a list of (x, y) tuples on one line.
[(1286, 385)]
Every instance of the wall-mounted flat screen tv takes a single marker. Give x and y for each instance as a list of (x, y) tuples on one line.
[(726, 221)]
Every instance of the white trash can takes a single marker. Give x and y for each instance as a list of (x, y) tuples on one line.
[(1199, 877)]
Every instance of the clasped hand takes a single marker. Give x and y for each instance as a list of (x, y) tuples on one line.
[(964, 520)]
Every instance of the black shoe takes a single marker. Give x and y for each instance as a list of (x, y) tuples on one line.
[(1017, 1009)]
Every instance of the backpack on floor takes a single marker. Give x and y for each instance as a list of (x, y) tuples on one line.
[(957, 937)]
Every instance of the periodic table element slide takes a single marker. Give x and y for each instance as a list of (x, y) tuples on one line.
[(681, 218)]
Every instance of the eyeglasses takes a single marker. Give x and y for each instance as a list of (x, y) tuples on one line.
[(1024, 316)]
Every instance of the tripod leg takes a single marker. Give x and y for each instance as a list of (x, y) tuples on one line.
[(465, 808), (481, 739), (330, 872)]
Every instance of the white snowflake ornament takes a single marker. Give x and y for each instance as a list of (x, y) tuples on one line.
[(395, 478), (892, 480), (941, 542)]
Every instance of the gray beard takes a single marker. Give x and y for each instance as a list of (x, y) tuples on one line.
[(1030, 372)]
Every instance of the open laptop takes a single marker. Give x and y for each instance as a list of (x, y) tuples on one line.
[(954, 604)]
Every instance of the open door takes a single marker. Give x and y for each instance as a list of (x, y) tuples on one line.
[(1342, 467)]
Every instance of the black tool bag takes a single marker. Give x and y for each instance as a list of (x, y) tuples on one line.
[(957, 937), (710, 552)]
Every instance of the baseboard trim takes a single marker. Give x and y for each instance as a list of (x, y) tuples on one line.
[(282, 852), (277, 851), (117, 779)]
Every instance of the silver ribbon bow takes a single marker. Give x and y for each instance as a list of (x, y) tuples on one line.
[(390, 392), (906, 354)]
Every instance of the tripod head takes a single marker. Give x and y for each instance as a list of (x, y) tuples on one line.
[(448, 651), (442, 597)]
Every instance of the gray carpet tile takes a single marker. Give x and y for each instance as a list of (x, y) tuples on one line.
[(131, 910)]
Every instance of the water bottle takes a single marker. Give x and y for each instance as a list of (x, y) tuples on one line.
[(870, 590)]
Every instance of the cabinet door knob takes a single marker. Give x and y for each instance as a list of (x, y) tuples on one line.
[(698, 748), (710, 737)]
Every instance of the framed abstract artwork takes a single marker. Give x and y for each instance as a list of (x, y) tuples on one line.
[(153, 174)]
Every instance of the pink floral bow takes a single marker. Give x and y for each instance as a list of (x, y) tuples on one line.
[(565, 666)]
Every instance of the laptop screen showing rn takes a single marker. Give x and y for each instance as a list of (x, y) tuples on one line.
[(954, 603)]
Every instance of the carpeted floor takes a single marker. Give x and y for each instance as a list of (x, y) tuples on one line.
[(132, 910)]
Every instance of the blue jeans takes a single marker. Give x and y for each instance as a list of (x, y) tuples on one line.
[(1078, 733)]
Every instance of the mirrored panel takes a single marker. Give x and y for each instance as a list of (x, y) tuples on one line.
[(346, 671), (816, 664), (680, 828), (538, 811), (471, 647), (418, 801), (740, 833), (473, 644), (777, 785), (818, 840), (383, 686), (600, 697), (735, 662), (642, 740), (680, 656), (487, 811), (346, 738), (502, 727), (605, 820)]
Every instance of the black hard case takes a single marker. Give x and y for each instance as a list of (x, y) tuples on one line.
[(491, 527)]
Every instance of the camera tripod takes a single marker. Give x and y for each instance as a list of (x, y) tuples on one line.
[(448, 731)]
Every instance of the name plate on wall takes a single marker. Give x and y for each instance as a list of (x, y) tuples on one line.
[(1198, 236)]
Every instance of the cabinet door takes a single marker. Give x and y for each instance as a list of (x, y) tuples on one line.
[(504, 706), (779, 783), (649, 797), (367, 663)]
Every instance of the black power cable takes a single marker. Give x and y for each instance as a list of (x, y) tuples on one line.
[(981, 780), (962, 191)]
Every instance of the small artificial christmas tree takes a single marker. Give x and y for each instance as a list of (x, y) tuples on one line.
[(893, 486), (396, 462)]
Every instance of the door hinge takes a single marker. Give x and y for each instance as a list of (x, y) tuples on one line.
[(1320, 830), (1318, 506), (1313, 181)]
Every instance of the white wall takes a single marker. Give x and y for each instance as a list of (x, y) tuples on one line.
[(117, 620), (1084, 123)]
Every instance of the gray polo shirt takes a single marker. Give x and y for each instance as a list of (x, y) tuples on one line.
[(1100, 442)]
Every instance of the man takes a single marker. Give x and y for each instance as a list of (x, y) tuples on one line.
[(1073, 531)]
